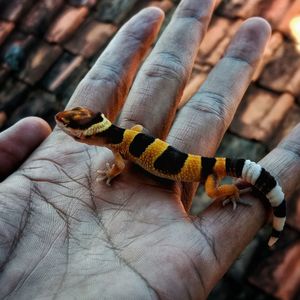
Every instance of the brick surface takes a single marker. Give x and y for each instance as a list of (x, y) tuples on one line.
[(38, 103), (88, 3), (66, 24), (5, 29), (279, 73), (293, 11), (291, 119), (294, 210), (63, 72), (12, 10), (40, 15), (275, 10), (273, 45), (4, 74), (243, 9), (216, 40), (260, 114), (114, 11), (16, 49), (39, 61), (90, 38), (279, 273), (12, 94)]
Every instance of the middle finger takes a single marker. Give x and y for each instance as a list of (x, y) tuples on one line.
[(158, 87)]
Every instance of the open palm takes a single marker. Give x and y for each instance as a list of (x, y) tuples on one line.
[(63, 235)]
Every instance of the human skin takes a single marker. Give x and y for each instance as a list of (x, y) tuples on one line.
[(63, 235)]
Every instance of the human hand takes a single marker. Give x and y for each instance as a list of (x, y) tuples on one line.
[(64, 235)]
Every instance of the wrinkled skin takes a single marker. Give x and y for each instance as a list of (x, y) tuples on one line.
[(63, 235)]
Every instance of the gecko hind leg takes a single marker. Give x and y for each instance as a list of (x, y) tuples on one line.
[(111, 171), (234, 201), (226, 193)]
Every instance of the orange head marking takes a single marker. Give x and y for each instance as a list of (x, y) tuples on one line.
[(81, 122)]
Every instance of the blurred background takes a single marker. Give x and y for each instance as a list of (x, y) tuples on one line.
[(47, 46)]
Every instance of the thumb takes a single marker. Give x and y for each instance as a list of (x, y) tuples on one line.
[(19, 141)]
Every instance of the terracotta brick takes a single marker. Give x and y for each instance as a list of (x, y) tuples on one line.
[(66, 24), (165, 5), (279, 273), (90, 38), (38, 103), (291, 119), (243, 9), (88, 3), (4, 73), (12, 94), (260, 114), (16, 49), (114, 11), (216, 40), (275, 11), (62, 73), (279, 72), (3, 118), (293, 216), (40, 15), (39, 61), (12, 10), (5, 29), (274, 43), (293, 11)]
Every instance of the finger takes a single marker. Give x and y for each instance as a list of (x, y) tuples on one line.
[(158, 87), (223, 226), (202, 122), (19, 141), (107, 83)]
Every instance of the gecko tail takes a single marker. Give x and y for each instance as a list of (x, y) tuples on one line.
[(266, 184)]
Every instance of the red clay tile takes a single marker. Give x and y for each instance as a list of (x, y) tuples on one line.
[(279, 72), (12, 10), (40, 15), (66, 24), (15, 51), (62, 72), (5, 29), (165, 5), (38, 103), (242, 9), (293, 211), (275, 11), (88, 3), (279, 273), (4, 73), (90, 38), (274, 43), (114, 11), (293, 11), (12, 95), (216, 40), (39, 61), (291, 119), (260, 114)]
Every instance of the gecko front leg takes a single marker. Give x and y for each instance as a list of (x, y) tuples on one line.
[(113, 170)]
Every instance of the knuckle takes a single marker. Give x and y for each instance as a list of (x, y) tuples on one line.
[(167, 65)]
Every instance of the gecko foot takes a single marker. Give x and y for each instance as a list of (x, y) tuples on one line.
[(236, 199), (106, 175)]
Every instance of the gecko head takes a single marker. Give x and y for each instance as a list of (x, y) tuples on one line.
[(81, 123)]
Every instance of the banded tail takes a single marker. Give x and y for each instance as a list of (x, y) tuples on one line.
[(267, 185)]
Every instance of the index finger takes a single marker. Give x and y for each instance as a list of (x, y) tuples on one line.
[(106, 85)]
